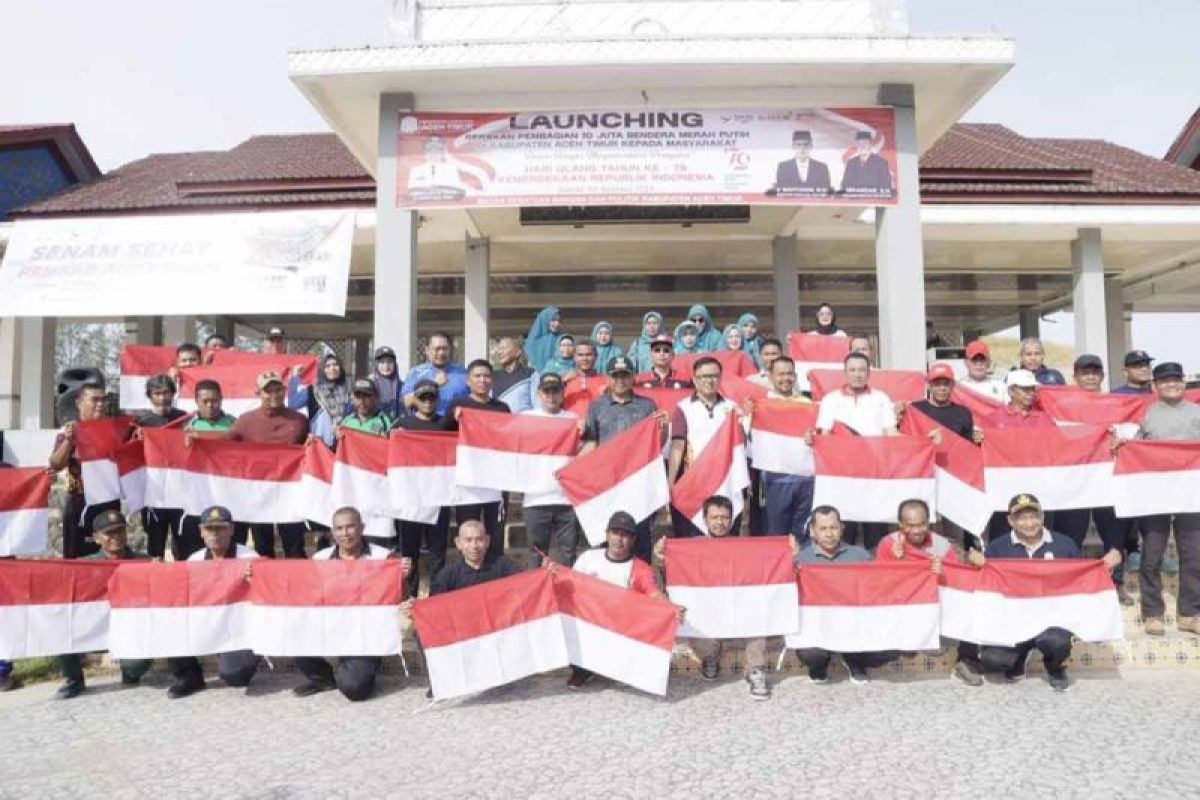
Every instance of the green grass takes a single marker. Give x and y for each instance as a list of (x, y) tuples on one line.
[(36, 670)]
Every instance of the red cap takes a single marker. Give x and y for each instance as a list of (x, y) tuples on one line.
[(978, 348), (941, 371), (662, 338)]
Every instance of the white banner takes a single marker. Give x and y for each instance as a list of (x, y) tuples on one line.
[(285, 262)]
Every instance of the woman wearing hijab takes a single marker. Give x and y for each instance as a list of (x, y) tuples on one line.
[(329, 400), (602, 337), (542, 339), (731, 338), (687, 338), (751, 338), (826, 322), (639, 350), (708, 338), (563, 362)]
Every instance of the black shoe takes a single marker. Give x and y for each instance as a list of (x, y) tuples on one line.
[(1016, 674), (69, 690), (9, 682), (185, 689), (130, 680), (858, 674), (710, 668), (579, 678), (309, 688), (818, 675), (1058, 680)]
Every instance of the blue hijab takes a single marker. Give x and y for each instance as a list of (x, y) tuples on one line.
[(639, 350), (604, 352), (708, 338), (679, 345), (751, 346), (540, 344), (725, 338), (558, 364)]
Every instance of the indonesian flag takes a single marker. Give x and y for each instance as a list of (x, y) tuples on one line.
[(665, 399), (239, 386), (897, 384), (257, 482), (513, 452), (288, 365), (491, 634), (131, 471), (165, 456), (958, 473), (777, 430), (956, 601), (739, 390), (980, 405), (187, 608), (360, 479), (862, 608), (1156, 478), (733, 362), (325, 608), (816, 352), (96, 443), (720, 469), (618, 633), (24, 510), (1067, 467), (316, 481), (624, 474), (867, 477), (421, 466), (140, 362), (1073, 406), (733, 587), (48, 608)]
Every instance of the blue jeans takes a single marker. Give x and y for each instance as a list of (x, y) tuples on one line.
[(789, 500)]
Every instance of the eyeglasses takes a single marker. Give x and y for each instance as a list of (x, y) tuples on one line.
[(708, 376), (697, 319)]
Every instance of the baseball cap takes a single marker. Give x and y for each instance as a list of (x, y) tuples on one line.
[(275, 333), (365, 386), (940, 371), (265, 379), (1168, 369), (620, 364), (1137, 357), (622, 521), (1021, 377), (804, 137), (662, 338), (1088, 361), (550, 381), (425, 387), (862, 135), (1023, 501), (385, 352), (978, 348), (108, 520), (215, 516)]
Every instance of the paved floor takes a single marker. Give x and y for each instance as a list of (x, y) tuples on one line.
[(898, 737)]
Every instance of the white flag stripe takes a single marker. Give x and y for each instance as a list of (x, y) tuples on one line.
[(872, 499), (25, 531), (960, 502), (133, 490), (1077, 486), (1092, 617), (507, 471), (53, 629), (133, 392), (166, 632), (775, 452), (435, 487), (864, 629), (365, 490), (640, 494), (612, 655), (736, 612), (324, 631), (101, 481), (248, 500), (957, 610), (1142, 494), (494, 659)]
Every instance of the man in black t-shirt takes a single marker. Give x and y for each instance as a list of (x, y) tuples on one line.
[(434, 535), (162, 524), (941, 409)]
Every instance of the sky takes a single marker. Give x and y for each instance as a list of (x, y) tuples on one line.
[(147, 76)]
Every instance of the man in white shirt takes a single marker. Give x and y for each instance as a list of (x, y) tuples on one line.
[(979, 368), (550, 521), (866, 411)]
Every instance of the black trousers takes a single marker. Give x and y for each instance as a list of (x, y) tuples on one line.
[(235, 668), (435, 537), (1054, 644), (490, 515), (71, 665), (818, 660), (78, 517), (354, 676), (1113, 530), (161, 525), (554, 531), (1156, 532), (870, 533), (291, 534)]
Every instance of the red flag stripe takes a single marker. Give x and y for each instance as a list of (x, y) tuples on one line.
[(1044, 577), (1070, 404), (24, 488), (729, 561), (98, 439), (180, 584), (422, 448), (665, 399), (518, 433), (326, 583), (708, 473), (784, 418), (962, 459), (146, 359), (733, 362), (284, 364), (897, 384), (807, 347), (484, 609), (236, 380), (24, 583), (876, 457), (872, 584), (623, 611), (163, 448), (599, 470), (1057, 447), (978, 404), (247, 460), (1150, 456), (364, 451)]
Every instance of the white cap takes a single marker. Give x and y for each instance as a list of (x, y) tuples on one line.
[(1021, 377)]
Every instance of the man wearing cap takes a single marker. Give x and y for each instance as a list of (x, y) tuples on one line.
[(1021, 411), (514, 383), (450, 378), (662, 374), (1139, 378), (367, 417), (613, 562), (77, 514), (1170, 417), (273, 423), (550, 520), (386, 378), (236, 667), (109, 530), (979, 368), (867, 172), (1033, 358), (276, 341), (423, 417), (802, 174), (941, 409)]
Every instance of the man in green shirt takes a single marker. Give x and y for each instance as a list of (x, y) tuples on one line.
[(209, 417), (367, 417), (109, 532)]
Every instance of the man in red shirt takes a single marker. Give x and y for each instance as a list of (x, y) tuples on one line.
[(662, 374), (1022, 399)]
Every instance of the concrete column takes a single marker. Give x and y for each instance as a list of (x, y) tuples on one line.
[(37, 378), (362, 357), (476, 298), (143, 330), (786, 260), (395, 243), (1029, 323), (899, 251), (1088, 293), (1117, 321), (10, 390), (177, 330)]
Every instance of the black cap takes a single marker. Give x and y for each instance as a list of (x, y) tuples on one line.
[(1137, 357), (213, 516), (622, 521), (385, 352), (801, 137), (620, 364), (108, 520), (275, 333), (1023, 501), (365, 386), (425, 386), (1088, 361), (550, 381), (1168, 369)]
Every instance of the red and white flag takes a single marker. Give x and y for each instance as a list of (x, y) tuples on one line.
[(239, 387), (625, 473), (862, 608), (1071, 405), (665, 399), (187, 608), (816, 352), (421, 475), (956, 601), (897, 384), (979, 404), (257, 482), (48, 608), (777, 430), (96, 443), (615, 632), (315, 482), (24, 510), (1156, 478), (165, 453), (739, 390), (360, 480), (1067, 467), (958, 473), (131, 471), (720, 469), (513, 452), (491, 634), (288, 365), (139, 363), (733, 362), (325, 608), (733, 587), (867, 477)]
